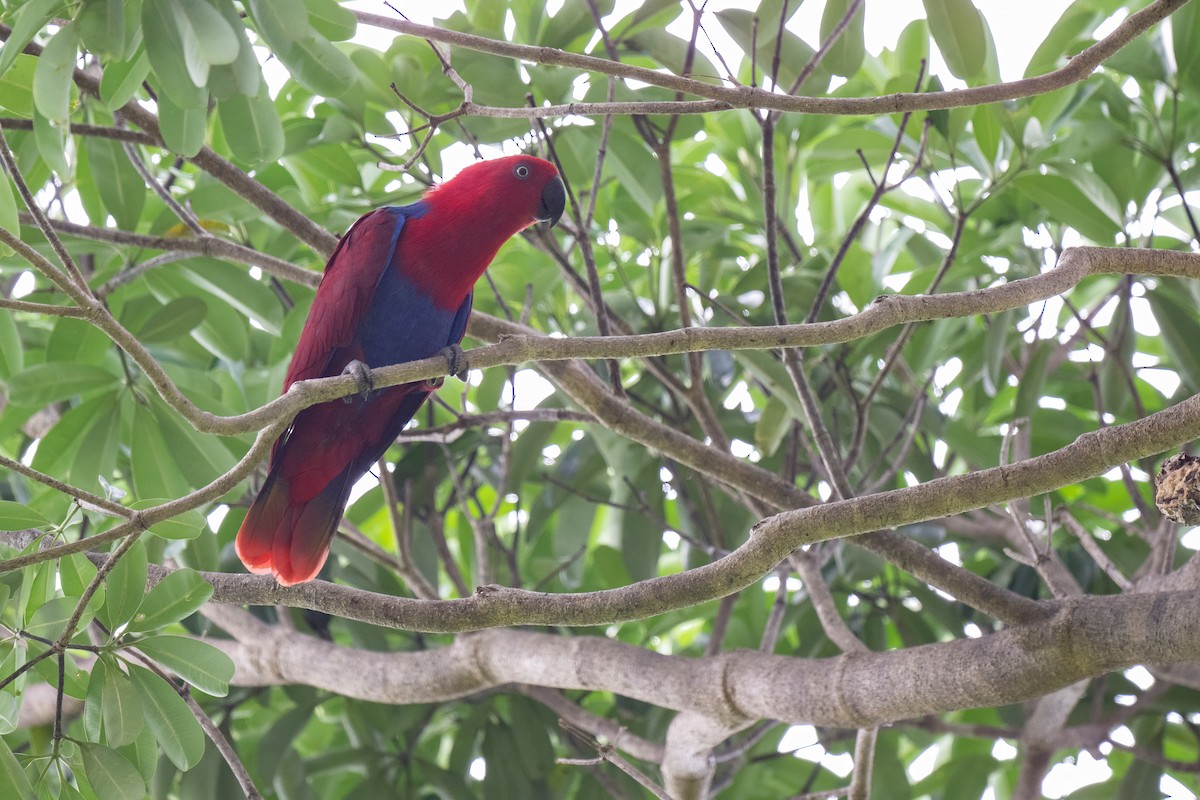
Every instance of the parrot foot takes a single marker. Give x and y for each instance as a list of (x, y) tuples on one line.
[(456, 364), (362, 378)]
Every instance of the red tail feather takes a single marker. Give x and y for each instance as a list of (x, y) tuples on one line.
[(291, 540)]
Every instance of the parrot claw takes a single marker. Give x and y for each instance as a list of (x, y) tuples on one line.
[(362, 377), (456, 364)]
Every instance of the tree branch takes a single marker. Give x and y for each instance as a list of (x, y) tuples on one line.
[(1082, 637), (1079, 68)]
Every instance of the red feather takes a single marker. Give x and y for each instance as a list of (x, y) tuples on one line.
[(343, 296)]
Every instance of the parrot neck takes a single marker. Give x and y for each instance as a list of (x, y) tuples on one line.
[(445, 247)]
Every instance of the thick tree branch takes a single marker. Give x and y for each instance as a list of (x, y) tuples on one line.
[(1082, 637), (1079, 68)]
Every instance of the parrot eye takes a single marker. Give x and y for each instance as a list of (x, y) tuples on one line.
[(521, 171)]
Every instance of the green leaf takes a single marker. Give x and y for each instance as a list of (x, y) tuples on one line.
[(51, 619), (187, 525), (505, 776), (11, 699), (97, 454), (236, 288), (110, 774), (278, 738), (320, 66), (1185, 40), (772, 426), (183, 129), (28, 20), (847, 53), (208, 37), (573, 20), (37, 587), (856, 276), (1176, 319), (59, 447), (53, 78), (987, 130), (78, 341), (912, 49), (1117, 367), (335, 23), (670, 51), (10, 715), (120, 186), (74, 677), (957, 27), (121, 708), (292, 779), (794, 52), (155, 473), (313, 61), (252, 127), (16, 86), (166, 51), (143, 753), (177, 731), (1033, 381), (18, 517), (50, 383), (12, 352), (102, 27), (244, 75), (51, 140), (995, 347), (122, 80), (529, 728), (1066, 203), (13, 782), (93, 701), (75, 574), (175, 319), (646, 13), (176, 596), (125, 586), (484, 16), (223, 331), (1143, 777), (201, 456), (197, 662), (1063, 40), (634, 168)]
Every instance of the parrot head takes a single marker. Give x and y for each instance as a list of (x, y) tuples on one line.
[(463, 222), (517, 191)]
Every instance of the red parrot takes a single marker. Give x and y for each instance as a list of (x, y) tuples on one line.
[(397, 288)]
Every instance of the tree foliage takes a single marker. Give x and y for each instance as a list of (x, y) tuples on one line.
[(830, 411)]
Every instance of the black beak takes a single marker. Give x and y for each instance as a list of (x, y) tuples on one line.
[(554, 201)]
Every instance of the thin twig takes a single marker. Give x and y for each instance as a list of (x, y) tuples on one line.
[(1063, 517), (864, 757), (9, 163), (184, 216), (214, 734), (608, 753), (402, 531)]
